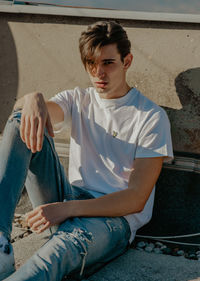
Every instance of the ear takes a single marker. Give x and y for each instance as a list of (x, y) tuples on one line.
[(127, 61)]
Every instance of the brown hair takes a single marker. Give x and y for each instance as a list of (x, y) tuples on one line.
[(100, 34)]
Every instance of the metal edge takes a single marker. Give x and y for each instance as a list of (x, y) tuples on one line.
[(100, 13)]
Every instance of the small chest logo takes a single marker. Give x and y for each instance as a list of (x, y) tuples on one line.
[(114, 134)]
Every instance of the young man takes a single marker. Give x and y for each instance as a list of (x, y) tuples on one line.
[(119, 140)]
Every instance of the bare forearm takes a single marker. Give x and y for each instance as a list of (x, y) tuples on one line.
[(112, 205), (128, 201)]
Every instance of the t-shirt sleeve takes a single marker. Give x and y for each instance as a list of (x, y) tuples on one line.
[(154, 139), (65, 101)]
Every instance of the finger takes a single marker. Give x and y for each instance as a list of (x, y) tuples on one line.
[(30, 214), (40, 135), (22, 128), (44, 227), (27, 132), (33, 134), (49, 126), (38, 223), (34, 219)]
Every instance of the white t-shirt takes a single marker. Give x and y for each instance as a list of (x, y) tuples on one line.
[(107, 135)]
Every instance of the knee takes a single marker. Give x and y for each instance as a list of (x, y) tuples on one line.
[(16, 115), (12, 128)]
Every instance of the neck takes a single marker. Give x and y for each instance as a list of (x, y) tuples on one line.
[(116, 94)]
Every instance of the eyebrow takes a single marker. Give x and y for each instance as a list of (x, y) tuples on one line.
[(105, 60)]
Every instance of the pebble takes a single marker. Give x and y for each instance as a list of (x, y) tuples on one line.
[(163, 247), (19, 221), (17, 216), (159, 244), (157, 251), (175, 252), (27, 233), (141, 244), (160, 248), (180, 253), (148, 249), (167, 251), (151, 245), (17, 224), (193, 257)]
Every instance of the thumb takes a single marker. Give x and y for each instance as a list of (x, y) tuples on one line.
[(49, 126)]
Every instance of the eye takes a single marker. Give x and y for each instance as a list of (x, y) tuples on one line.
[(90, 63), (107, 62)]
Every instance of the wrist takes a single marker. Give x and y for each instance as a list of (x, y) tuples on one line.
[(70, 208), (34, 95), (26, 98)]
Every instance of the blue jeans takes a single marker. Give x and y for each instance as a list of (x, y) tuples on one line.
[(79, 244)]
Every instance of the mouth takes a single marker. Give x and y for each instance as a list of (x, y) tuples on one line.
[(101, 84)]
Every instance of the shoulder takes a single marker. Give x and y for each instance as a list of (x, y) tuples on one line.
[(76, 94), (81, 93), (147, 107)]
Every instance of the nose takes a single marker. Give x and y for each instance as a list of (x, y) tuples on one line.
[(99, 71)]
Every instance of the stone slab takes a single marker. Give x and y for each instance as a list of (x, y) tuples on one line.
[(141, 266)]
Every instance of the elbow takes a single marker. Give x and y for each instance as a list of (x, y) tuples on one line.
[(136, 209), (140, 208), (135, 202)]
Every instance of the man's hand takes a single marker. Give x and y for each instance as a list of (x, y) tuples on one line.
[(34, 119), (45, 216)]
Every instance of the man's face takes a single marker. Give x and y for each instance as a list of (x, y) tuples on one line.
[(108, 72)]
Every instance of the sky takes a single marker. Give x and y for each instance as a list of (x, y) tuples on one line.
[(168, 6)]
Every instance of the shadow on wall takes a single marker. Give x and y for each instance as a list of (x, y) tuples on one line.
[(185, 123), (8, 73)]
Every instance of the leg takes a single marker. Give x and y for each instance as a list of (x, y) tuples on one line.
[(15, 159), (79, 243), (46, 181)]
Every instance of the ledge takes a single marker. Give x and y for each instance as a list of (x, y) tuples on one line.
[(100, 13)]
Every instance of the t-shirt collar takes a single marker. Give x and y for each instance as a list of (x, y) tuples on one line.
[(106, 103)]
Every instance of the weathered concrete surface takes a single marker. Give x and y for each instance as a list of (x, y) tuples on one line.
[(40, 53), (141, 266), (25, 247)]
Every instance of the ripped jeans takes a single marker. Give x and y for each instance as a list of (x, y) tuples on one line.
[(78, 245)]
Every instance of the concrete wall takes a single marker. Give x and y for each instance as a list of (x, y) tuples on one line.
[(40, 53)]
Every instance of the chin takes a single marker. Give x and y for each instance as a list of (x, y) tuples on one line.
[(101, 90)]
